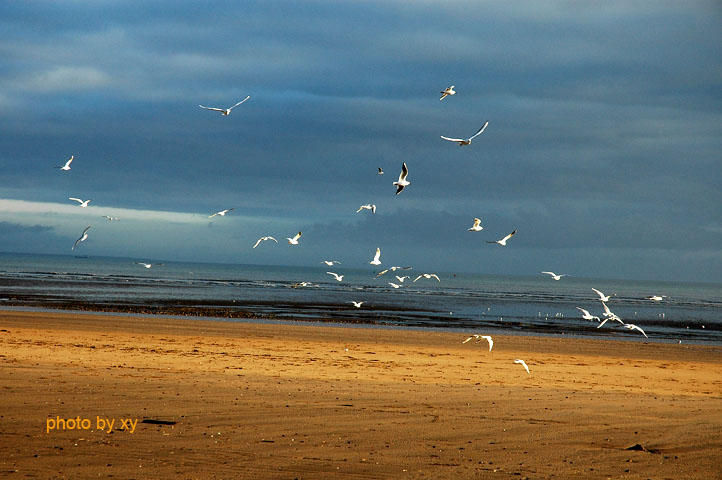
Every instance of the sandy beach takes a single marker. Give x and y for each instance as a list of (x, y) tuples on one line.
[(92, 395)]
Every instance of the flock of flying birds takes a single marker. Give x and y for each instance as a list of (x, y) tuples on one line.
[(400, 185)]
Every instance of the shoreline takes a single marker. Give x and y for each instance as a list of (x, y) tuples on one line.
[(226, 399)]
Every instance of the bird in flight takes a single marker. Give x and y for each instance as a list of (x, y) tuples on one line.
[(503, 241), (294, 240), (402, 278), (66, 167), (263, 239), (467, 141), (222, 213), (586, 315), (367, 207), (357, 304), (656, 298), (446, 92), (83, 203), (632, 326), (225, 111), (330, 263), (336, 276), (477, 226), (555, 276), (523, 364), (428, 276), (394, 285), (393, 269), (82, 238), (602, 297), (148, 265), (110, 219), (381, 172), (402, 179), (376, 260), (479, 338)]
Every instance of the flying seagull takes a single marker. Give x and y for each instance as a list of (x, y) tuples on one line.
[(393, 269), (66, 167), (477, 226), (222, 213), (148, 265), (336, 276), (447, 91), (478, 339), (330, 263), (376, 260), (381, 172), (225, 111), (503, 241), (428, 275), (394, 285), (263, 239), (357, 304), (110, 219), (294, 240), (82, 238), (602, 297), (401, 279), (632, 326), (656, 298), (467, 141), (402, 179), (586, 315), (523, 364), (83, 203), (555, 276), (367, 207)]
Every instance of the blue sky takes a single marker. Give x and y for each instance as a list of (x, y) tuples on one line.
[(603, 147)]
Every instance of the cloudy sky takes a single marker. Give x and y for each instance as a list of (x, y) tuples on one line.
[(604, 147)]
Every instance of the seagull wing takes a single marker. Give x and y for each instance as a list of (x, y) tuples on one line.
[(509, 236), (234, 106), (585, 312), (434, 276), (213, 108), (601, 295), (480, 131), (378, 254), (298, 235), (488, 339), (67, 164), (404, 172), (258, 241), (271, 238), (76, 199), (382, 272), (453, 139), (418, 277)]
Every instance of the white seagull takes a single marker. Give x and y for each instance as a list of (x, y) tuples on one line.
[(467, 141), (393, 269), (586, 315), (376, 260), (632, 326), (402, 179), (368, 206), (263, 239), (83, 203), (225, 111), (554, 276), (503, 241), (394, 285), (336, 276), (478, 339), (381, 172), (222, 213), (357, 304), (523, 364), (330, 263), (148, 265), (294, 240), (477, 226), (401, 279), (446, 92), (602, 297), (428, 275), (110, 219), (82, 238), (656, 298), (66, 167)]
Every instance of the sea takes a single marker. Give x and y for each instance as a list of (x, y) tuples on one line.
[(463, 302)]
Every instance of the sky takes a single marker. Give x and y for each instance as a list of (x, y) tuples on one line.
[(603, 150)]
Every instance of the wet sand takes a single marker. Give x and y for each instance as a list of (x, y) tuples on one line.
[(207, 399)]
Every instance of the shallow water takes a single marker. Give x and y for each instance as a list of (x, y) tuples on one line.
[(511, 304)]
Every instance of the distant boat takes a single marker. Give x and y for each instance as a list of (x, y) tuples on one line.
[(81, 256)]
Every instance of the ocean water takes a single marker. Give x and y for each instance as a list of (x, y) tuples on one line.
[(692, 313)]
